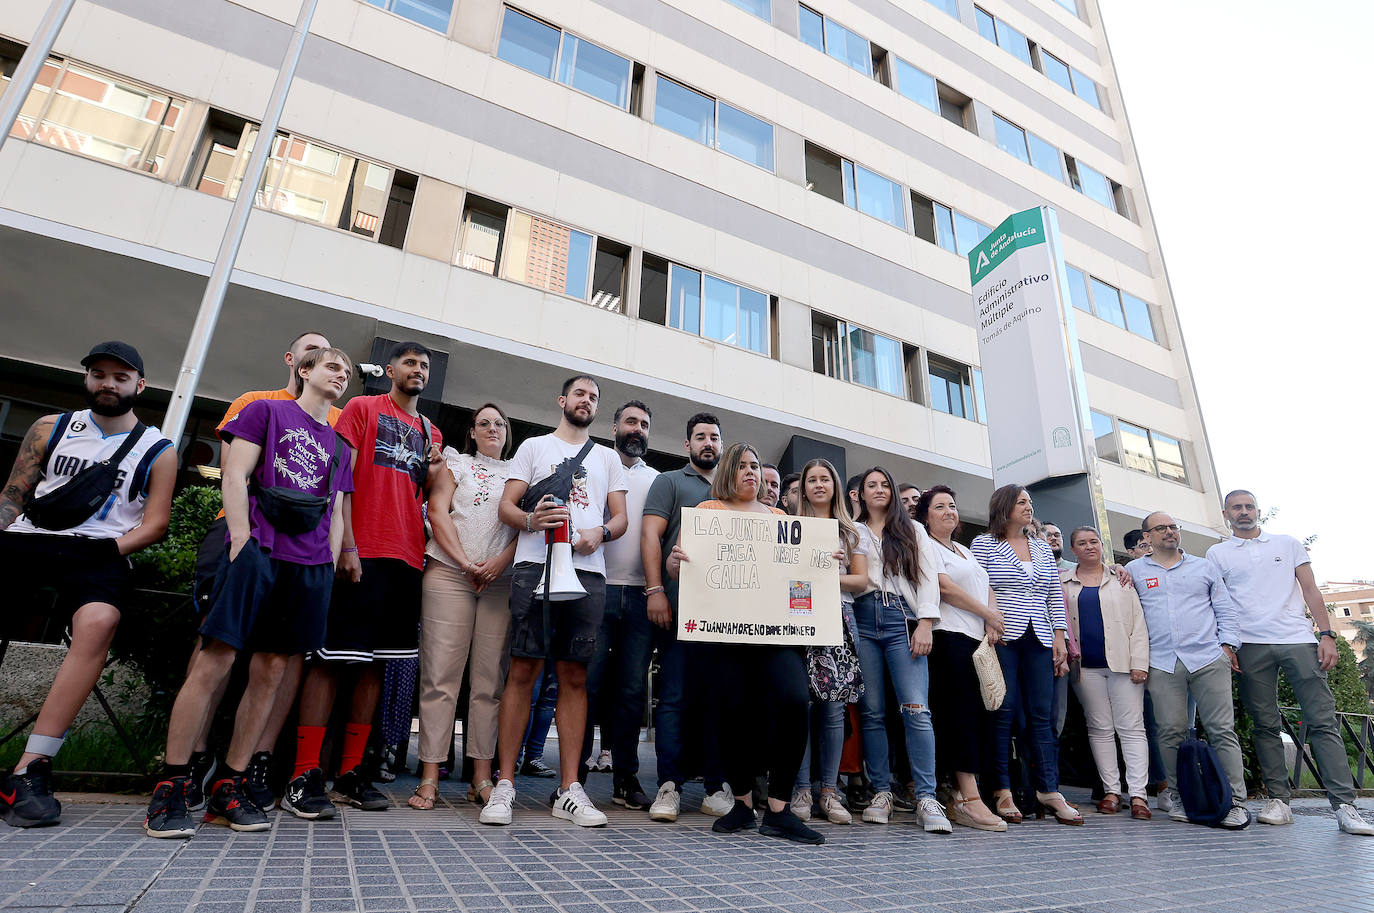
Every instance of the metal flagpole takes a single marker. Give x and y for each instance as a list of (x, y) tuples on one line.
[(174, 423), (31, 64)]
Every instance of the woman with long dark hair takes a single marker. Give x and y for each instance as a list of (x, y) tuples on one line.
[(1025, 579), (895, 617)]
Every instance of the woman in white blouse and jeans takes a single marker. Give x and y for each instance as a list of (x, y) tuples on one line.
[(466, 603), (1025, 580)]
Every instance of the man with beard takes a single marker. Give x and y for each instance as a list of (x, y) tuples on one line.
[(910, 495), (616, 685), (1054, 536), (87, 562), (791, 493), (374, 613), (670, 493), (771, 487), (598, 489)]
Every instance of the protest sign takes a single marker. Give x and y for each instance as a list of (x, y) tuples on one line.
[(754, 578)]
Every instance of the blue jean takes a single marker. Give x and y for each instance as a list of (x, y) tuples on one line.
[(885, 651), (542, 703), (830, 742), (618, 676), (1028, 668)]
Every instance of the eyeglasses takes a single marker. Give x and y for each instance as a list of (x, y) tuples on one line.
[(485, 424), (1163, 527)]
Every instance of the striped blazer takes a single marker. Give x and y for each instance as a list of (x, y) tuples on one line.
[(1034, 600)]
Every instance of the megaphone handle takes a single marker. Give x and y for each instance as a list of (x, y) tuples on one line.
[(548, 586)]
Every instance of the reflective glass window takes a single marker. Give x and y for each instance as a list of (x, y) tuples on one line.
[(760, 8), (1045, 156), (745, 136), (735, 315), (1012, 41), (944, 228), (1094, 184), (1056, 69), (828, 352), (313, 182), (1011, 138), (949, 7), (917, 85), (1085, 88), (594, 70), (949, 391), (432, 14), (685, 111), (812, 28), (967, 233), (978, 398), (684, 299), (1135, 447), (1078, 289), (853, 49), (1104, 438), (1169, 457), (548, 255), (528, 43), (987, 26), (1137, 316), (1107, 303), (878, 196)]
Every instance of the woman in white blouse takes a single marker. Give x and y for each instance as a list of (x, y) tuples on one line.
[(1025, 580), (968, 612), (466, 603)]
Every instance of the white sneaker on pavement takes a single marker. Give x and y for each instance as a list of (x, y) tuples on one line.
[(879, 810), (497, 809), (666, 804), (931, 816), (573, 805), (1348, 817), (834, 810), (1276, 812), (1175, 806), (801, 803), (1165, 801), (1238, 818), (718, 803)]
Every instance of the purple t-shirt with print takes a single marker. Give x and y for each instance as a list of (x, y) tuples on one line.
[(296, 451)]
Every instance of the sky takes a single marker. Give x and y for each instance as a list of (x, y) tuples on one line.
[(1252, 124)]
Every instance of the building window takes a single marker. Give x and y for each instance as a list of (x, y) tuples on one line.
[(948, 7), (951, 391), (955, 107), (968, 233), (1138, 316), (948, 228), (1138, 448), (850, 353), (1011, 138), (917, 85), (608, 275), (481, 234), (1070, 5), (1096, 186), (760, 8), (854, 185), (1046, 157), (1110, 303), (704, 305), (1056, 69), (548, 51), (979, 399), (1107, 303), (432, 14), (1168, 457), (1104, 438), (1003, 35), (734, 315), (399, 203), (829, 346), (547, 255), (1078, 289), (1085, 89), (824, 34), (700, 117)]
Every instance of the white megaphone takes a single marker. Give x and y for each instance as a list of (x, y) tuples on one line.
[(558, 571)]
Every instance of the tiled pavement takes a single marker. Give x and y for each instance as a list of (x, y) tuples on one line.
[(98, 861)]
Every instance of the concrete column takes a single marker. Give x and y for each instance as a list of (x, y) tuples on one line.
[(477, 24), (786, 17), (434, 218)]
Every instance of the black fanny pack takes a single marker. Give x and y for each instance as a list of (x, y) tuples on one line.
[(290, 510), (559, 484), (79, 498)]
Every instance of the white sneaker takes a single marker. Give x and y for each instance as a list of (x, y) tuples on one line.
[(719, 803), (1276, 812), (931, 816), (834, 810), (602, 764), (801, 803), (1238, 818), (666, 804), (1348, 817), (573, 805), (497, 809), (1165, 801), (879, 811), (1175, 806)]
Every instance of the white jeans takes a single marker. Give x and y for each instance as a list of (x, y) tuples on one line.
[(1113, 705)]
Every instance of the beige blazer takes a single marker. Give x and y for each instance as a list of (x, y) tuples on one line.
[(1123, 620)]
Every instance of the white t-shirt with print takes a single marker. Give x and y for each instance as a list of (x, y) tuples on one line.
[(601, 473)]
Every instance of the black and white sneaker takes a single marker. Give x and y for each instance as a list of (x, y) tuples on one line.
[(229, 804), (26, 799), (573, 805), (255, 781), (306, 797), (630, 794), (168, 815), (202, 770), (358, 791)]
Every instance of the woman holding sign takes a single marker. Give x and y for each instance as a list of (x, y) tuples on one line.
[(763, 690), (895, 616)]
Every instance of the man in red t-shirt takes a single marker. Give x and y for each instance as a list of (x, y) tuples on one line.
[(375, 611)]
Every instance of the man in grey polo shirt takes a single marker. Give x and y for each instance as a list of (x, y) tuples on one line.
[(1193, 643), (1269, 577)]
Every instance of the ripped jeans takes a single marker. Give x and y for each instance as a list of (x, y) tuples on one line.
[(885, 651)]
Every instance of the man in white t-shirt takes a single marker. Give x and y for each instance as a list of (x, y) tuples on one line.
[(595, 511), (1269, 578), (617, 686)]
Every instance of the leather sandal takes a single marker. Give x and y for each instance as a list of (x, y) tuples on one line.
[(475, 791), (1069, 815), (1140, 809), (956, 812), (1110, 804), (1006, 809), (424, 803)]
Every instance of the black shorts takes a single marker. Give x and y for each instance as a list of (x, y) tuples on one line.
[(575, 623), (79, 570), (268, 606), (376, 618)]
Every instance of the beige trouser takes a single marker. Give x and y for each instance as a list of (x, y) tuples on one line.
[(455, 620)]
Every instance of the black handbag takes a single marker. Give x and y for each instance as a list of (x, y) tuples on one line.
[(80, 497), (559, 484), (291, 511)]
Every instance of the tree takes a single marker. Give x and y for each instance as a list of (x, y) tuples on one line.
[(1365, 631)]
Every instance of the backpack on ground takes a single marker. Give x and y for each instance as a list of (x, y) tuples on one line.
[(1203, 787)]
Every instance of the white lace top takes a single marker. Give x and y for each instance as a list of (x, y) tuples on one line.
[(481, 480)]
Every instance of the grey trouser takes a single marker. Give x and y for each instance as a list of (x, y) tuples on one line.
[(1259, 681), (1210, 686)]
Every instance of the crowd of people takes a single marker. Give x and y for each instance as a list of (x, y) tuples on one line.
[(354, 537)]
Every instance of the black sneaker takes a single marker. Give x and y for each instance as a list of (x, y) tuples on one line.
[(788, 826), (537, 768), (307, 798), (26, 799), (630, 794), (168, 815), (358, 791), (202, 769), (230, 804), (739, 818), (255, 781), (905, 798)]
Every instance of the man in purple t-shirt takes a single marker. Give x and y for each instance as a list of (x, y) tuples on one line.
[(284, 468)]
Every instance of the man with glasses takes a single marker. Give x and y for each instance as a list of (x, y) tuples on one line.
[(1193, 644)]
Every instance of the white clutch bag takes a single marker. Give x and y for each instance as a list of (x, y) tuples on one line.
[(990, 681)]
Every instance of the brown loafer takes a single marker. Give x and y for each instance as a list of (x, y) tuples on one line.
[(1110, 804), (1140, 809)]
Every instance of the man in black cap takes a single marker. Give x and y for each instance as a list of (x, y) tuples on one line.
[(46, 542)]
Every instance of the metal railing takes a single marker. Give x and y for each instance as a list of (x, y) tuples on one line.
[(1358, 726)]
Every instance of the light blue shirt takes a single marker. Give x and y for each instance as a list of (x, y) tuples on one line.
[(1188, 612)]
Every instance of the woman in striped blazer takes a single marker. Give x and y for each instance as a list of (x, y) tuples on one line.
[(1025, 579)]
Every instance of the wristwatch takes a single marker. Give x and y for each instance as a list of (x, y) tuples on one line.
[(605, 534), (1330, 634)]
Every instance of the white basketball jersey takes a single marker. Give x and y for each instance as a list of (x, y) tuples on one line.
[(82, 443)]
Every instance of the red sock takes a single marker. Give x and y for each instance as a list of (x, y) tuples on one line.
[(355, 740), (308, 742)]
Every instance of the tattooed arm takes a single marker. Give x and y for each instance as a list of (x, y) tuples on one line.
[(28, 469)]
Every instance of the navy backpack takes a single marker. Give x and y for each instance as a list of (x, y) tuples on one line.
[(1203, 786)]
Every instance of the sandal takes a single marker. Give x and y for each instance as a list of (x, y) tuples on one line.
[(956, 812), (1006, 809), (424, 803), (1140, 809), (1069, 814), (475, 791)]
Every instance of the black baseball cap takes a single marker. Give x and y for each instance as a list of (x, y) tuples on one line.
[(119, 351)]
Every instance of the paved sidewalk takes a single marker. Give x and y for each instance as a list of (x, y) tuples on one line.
[(99, 861)]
